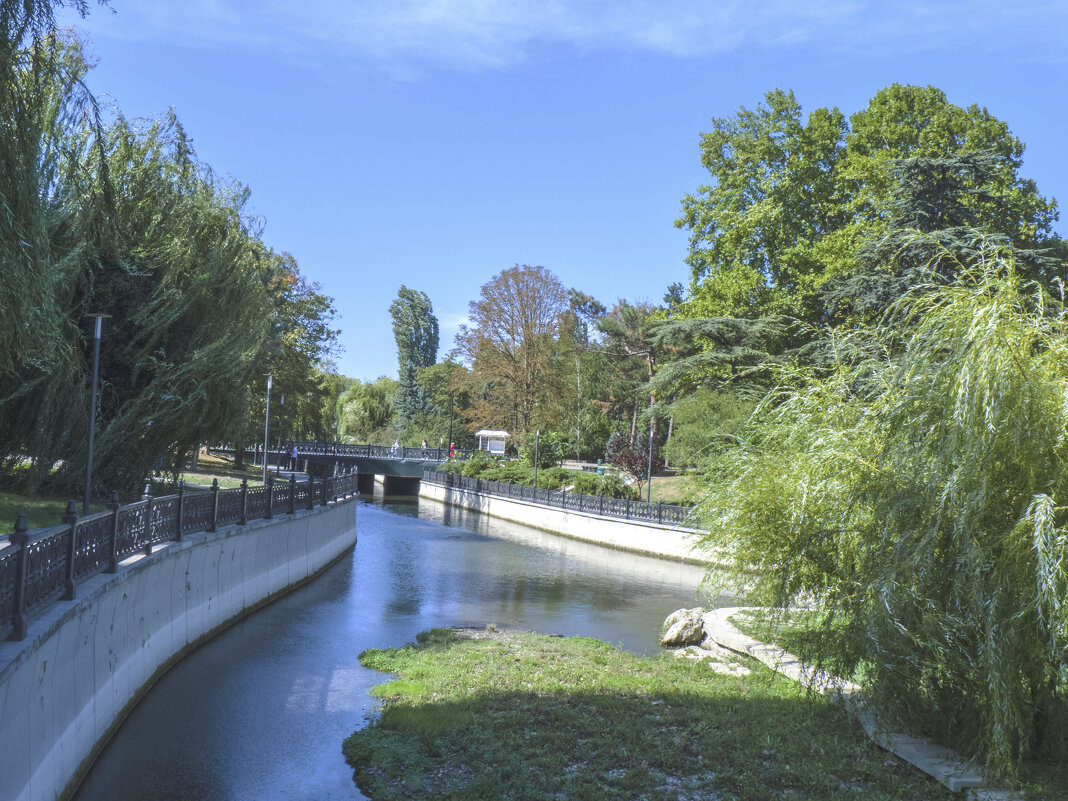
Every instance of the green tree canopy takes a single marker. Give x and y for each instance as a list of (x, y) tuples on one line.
[(415, 330), (794, 202), (509, 346), (918, 500)]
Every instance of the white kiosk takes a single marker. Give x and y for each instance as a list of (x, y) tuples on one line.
[(491, 441)]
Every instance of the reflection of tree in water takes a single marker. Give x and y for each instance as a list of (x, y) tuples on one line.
[(406, 588)]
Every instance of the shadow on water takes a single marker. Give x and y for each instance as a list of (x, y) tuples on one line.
[(260, 711)]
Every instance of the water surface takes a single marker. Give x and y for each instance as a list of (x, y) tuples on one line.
[(259, 712)]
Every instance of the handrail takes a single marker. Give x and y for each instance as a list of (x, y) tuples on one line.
[(660, 513), (45, 565), (418, 453)]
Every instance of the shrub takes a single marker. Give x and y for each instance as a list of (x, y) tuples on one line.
[(920, 499), (553, 478), (586, 483), (516, 472), (477, 465), (613, 486)]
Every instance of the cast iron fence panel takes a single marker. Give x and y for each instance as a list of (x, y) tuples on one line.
[(40, 558), (303, 491), (197, 513), (257, 502), (133, 533), (9, 559), (229, 507), (661, 513), (164, 520), (46, 567), (92, 540)]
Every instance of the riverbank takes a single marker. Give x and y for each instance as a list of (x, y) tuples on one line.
[(485, 714), (642, 537)]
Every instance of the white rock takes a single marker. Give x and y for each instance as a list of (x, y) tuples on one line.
[(681, 614), (684, 627)]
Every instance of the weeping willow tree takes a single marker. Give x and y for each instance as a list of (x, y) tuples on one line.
[(42, 101), (100, 214), (919, 498)]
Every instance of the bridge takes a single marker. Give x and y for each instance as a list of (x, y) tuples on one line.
[(400, 468)]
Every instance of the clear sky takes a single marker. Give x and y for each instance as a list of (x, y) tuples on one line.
[(433, 143)]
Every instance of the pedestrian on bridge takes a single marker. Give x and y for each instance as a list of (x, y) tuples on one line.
[(293, 457)]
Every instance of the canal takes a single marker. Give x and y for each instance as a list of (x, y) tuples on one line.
[(259, 712)]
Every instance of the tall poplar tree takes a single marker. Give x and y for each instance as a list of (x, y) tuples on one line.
[(415, 329)]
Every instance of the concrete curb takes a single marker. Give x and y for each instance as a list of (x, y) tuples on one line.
[(943, 764)]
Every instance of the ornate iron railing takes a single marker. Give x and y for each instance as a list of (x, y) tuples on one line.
[(372, 451), (42, 566), (621, 508)]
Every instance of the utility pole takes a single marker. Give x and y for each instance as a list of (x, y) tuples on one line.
[(537, 435), (267, 429), (450, 421), (649, 489), (281, 425), (92, 409)]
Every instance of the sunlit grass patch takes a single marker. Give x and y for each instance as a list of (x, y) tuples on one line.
[(41, 510), (527, 716)]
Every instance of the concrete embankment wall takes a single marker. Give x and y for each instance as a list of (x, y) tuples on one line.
[(85, 663), (639, 537)]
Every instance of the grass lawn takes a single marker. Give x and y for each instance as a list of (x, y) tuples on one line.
[(41, 511), (477, 715), (676, 489), (222, 468)]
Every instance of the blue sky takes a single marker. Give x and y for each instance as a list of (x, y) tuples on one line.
[(433, 143)]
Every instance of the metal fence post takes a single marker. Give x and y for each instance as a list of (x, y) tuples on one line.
[(147, 496), (311, 491), (113, 546), (21, 540), (660, 512), (601, 511), (213, 527), (270, 498), (70, 517), (244, 501), (628, 508), (180, 517), (292, 493)]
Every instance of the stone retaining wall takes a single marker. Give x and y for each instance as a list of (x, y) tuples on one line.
[(85, 663), (639, 537)]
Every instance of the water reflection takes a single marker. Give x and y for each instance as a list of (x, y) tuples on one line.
[(260, 712)]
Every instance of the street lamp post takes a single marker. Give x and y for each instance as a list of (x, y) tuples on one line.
[(450, 421), (92, 408), (537, 435), (281, 425), (266, 429), (649, 489)]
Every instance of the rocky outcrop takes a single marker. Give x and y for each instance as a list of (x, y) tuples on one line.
[(683, 627), (684, 630)]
